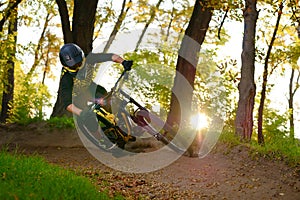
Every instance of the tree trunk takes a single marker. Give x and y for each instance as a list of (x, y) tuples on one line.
[(247, 88), (8, 88), (291, 103), (65, 22), (152, 16), (260, 135), (81, 34), (84, 23), (117, 25), (187, 63), (292, 92), (170, 23)]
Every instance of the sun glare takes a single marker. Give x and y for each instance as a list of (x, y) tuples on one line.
[(199, 121)]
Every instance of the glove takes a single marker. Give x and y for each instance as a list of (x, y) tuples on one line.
[(88, 118), (127, 64)]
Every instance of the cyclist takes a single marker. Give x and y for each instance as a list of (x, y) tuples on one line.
[(72, 58)]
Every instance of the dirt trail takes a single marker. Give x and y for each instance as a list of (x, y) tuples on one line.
[(223, 174)]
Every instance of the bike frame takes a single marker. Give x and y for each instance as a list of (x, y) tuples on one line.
[(140, 117)]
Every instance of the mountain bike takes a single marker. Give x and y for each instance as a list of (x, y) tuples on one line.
[(118, 126)]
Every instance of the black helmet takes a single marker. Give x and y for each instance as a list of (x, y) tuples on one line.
[(70, 54)]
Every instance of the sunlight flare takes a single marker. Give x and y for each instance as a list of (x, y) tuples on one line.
[(199, 121)]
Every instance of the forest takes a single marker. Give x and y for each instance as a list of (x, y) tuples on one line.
[(240, 59), (223, 75)]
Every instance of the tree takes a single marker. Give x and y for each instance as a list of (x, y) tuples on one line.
[(265, 79), (81, 34), (149, 21), (103, 15), (293, 52), (42, 38), (292, 91), (118, 24), (293, 87), (8, 11), (8, 89), (187, 61), (175, 19), (247, 88)]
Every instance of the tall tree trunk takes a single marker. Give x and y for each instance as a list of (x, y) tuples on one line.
[(247, 88), (84, 23), (152, 16), (65, 21), (265, 80), (8, 88), (292, 92), (81, 34), (117, 26), (291, 102), (187, 63)]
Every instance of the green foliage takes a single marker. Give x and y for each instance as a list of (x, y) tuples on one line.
[(275, 125), (229, 137), (61, 122), (278, 145), (32, 178), (215, 87), (154, 75), (7, 44), (29, 99)]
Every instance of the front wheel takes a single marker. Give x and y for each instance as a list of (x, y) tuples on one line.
[(97, 138)]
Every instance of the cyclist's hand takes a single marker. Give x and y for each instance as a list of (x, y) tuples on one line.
[(127, 64)]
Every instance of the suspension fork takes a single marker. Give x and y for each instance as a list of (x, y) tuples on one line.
[(126, 124)]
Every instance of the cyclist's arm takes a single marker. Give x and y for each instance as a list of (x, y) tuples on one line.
[(66, 85), (73, 109), (94, 58)]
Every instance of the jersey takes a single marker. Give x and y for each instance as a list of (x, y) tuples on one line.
[(67, 78)]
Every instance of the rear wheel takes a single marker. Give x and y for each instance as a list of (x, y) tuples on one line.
[(144, 119)]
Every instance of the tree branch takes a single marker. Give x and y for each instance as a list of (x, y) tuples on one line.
[(222, 23), (7, 12), (64, 16)]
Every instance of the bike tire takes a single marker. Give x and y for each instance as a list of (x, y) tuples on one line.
[(144, 118), (88, 135), (160, 137)]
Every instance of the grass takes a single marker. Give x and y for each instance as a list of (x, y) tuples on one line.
[(61, 122), (282, 149), (23, 177)]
